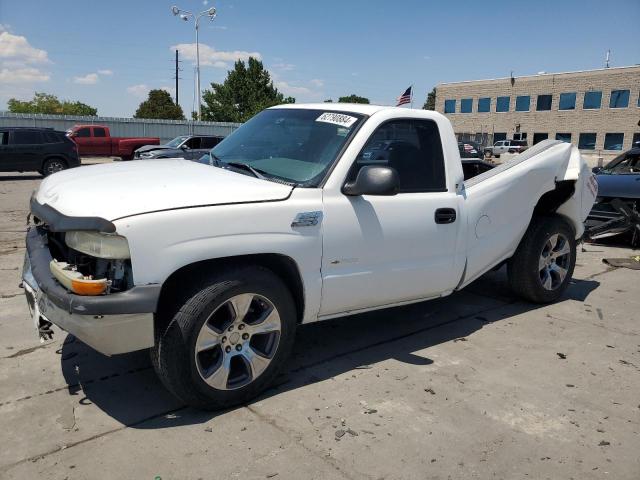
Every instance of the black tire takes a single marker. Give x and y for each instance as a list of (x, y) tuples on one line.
[(526, 278), (174, 355), (52, 165)]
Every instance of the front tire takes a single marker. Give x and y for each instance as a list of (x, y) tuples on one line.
[(230, 337), (543, 264)]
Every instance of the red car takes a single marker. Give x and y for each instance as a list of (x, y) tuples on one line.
[(96, 141)]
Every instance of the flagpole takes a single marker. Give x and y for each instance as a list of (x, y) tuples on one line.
[(412, 96)]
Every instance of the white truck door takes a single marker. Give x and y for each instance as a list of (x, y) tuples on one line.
[(382, 250)]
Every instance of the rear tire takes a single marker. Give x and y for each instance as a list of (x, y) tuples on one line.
[(543, 264), (231, 335), (53, 165)]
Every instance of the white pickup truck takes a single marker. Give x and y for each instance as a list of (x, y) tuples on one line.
[(305, 213)]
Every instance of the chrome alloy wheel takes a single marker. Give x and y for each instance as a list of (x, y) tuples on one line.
[(554, 261), (238, 341)]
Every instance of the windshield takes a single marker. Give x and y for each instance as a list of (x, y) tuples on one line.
[(296, 145), (175, 143)]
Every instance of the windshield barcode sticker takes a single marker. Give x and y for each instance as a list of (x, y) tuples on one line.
[(337, 119)]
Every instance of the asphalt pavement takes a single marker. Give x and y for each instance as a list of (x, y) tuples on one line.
[(476, 385)]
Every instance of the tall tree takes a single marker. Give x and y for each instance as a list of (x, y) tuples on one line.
[(353, 98), (430, 103), (47, 103), (159, 105), (247, 90)]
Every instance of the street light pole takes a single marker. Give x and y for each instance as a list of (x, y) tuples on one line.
[(186, 16)]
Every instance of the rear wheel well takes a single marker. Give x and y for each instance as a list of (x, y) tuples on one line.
[(283, 266), (551, 200)]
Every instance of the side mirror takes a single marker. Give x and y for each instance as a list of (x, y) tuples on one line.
[(596, 169), (372, 180), (184, 146)]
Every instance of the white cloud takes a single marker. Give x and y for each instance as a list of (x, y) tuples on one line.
[(105, 72), (139, 90), (316, 82), (18, 60), (88, 79), (23, 75), (170, 90), (4, 27), (209, 56), (287, 67), (16, 47), (289, 89)]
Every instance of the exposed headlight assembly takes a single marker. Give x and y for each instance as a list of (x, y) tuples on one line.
[(101, 245)]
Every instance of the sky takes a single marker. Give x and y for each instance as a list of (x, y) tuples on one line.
[(109, 54)]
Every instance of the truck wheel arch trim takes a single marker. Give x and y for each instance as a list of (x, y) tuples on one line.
[(282, 265)]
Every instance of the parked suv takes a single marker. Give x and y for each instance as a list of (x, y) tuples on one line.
[(506, 146), (40, 150)]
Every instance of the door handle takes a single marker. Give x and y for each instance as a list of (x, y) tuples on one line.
[(445, 215)]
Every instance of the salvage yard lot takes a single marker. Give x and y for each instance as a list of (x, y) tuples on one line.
[(476, 385)]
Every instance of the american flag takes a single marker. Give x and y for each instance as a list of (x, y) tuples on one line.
[(405, 97)]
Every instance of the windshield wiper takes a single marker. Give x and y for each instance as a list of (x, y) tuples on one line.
[(245, 166)]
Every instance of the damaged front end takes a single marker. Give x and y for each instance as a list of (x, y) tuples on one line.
[(90, 262), (77, 275)]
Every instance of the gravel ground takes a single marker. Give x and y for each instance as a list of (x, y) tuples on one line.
[(476, 385)]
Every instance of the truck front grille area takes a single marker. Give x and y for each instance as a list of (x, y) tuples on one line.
[(118, 272)]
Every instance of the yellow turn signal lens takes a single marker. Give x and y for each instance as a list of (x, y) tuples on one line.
[(75, 281), (89, 287)]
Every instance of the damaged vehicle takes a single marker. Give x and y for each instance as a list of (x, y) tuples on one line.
[(213, 266), (617, 208)]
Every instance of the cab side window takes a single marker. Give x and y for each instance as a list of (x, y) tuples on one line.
[(99, 132), (83, 132), (413, 148)]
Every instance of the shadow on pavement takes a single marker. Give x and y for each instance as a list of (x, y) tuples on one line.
[(7, 178), (126, 388)]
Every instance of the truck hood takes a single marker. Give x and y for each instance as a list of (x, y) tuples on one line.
[(117, 190)]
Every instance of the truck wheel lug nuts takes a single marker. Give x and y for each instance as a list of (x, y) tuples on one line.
[(241, 326), (227, 349), (238, 347), (231, 328), (224, 339), (245, 336)]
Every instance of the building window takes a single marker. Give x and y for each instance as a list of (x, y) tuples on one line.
[(587, 141), (544, 103), (499, 136), (449, 106), (619, 99), (613, 141), (563, 137), (466, 105), (502, 104), (484, 105), (567, 101), (539, 137), (522, 103), (592, 100), (636, 140)]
